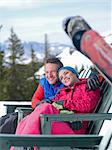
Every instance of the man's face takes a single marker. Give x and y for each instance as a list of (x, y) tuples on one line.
[(51, 72)]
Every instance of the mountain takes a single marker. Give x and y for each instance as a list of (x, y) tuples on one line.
[(54, 48), (39, 48)]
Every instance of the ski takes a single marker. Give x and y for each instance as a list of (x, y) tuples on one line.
[(91, 44)]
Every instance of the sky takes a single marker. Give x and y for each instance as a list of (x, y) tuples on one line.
[(32, 19)]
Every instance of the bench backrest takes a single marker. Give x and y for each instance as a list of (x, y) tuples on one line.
[(103, 107), (85, 73)]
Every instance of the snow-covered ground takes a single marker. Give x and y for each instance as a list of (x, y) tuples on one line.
[(107, 126)]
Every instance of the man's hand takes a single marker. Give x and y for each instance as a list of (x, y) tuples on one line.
[(43, 101), (93, 83)]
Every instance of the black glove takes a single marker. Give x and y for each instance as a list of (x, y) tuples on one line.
[(60, 102), (76, 125), (93, 83), (48, 101)]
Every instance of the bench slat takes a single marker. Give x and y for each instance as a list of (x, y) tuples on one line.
[(87, 141)]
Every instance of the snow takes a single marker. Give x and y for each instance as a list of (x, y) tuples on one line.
[(107, 125), (3, 109), (40, 72), (108, 39), (76, 59)]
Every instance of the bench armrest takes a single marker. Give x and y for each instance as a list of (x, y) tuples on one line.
[(47, 119), (23, 111)]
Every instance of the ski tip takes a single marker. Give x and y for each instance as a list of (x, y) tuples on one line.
[(65, 23), (73, 24)]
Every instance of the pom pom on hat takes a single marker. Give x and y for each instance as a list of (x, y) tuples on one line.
[(70, 69)]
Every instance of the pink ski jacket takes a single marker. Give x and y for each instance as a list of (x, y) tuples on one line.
[(79, 98)]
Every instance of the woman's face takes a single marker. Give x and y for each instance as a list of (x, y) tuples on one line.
[(67, 77), (51, 72)]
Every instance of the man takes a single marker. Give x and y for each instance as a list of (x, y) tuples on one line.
[(50, 84)]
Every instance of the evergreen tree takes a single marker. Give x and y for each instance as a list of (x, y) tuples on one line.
[(15, 71), (32, 67), (1, 64), (34, 61), (15, 76), (47, 48), (2, 77), (31, 82)]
